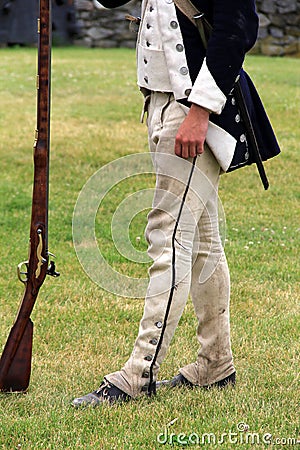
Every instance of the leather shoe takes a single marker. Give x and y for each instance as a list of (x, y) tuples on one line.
[(179, 380), (107, 393)]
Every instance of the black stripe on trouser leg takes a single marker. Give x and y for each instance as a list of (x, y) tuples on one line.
[(152, 386)]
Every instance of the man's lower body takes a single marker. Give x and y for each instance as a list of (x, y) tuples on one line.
[(188, 258)]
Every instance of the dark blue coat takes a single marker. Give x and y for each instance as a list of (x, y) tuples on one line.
[(235, 27)]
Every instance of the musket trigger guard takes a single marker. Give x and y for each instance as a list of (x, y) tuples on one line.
[(20, 273)]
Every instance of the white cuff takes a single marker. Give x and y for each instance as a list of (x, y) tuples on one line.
[(206, 92), (98, 5)]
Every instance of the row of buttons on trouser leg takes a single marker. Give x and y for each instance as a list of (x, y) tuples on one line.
[(146, 371)]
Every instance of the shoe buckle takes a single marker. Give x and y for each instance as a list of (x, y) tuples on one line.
[(103, 389)]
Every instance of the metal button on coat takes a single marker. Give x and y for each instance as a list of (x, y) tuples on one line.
[(242, 138), (146, 373), (148, 358), (153, 341), (237, 118), (174, 24), (159, 324), (187, 92), (179, 47), (184, 70), (233, 101)]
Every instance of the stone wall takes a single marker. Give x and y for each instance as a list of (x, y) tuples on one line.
[(105, 27), (279, 32)]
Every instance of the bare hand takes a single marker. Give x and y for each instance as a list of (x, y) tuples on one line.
[(191, 135)]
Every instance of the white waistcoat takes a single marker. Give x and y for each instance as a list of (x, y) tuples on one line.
[(161, 60)]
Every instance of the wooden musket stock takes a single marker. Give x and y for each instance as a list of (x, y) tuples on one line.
[(15, 363)]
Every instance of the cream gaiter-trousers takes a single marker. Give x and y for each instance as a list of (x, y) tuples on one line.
[(188, 257)]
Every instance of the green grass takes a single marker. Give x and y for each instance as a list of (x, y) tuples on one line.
[(83, 332)]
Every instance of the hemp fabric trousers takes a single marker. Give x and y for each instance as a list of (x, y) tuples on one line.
[(188, 258)]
